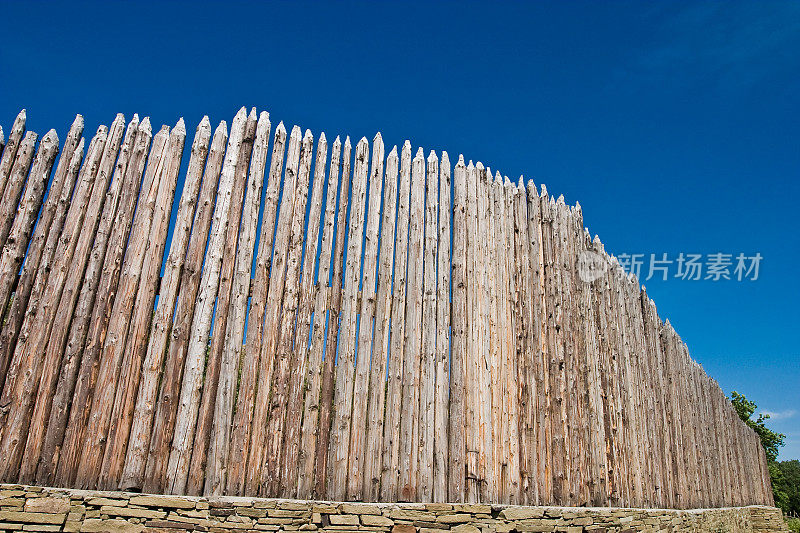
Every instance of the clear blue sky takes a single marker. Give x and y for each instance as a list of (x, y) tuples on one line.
[(674, 124)]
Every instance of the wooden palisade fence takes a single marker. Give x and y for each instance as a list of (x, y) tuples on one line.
[(328, 321)]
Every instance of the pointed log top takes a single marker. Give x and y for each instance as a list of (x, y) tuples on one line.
[(521, 182), (337, 140), (544, 190), (532, 188), (222, 129), (119, 121), (393, 153), (445, 159), (308, 136), (432, 158), (461, 160), (145, 125), (322, 139), (253, 114), (21, 117), (377, 138), (420, 154), (552, 201), (498, 178), (180, 126), (295, 132), (50, 137), (561, 199), (241, 114), (506, 181), (347, 142), (478, 165), (205, 122), (578, 207), (77, 123), (2, 139), (164, 130)]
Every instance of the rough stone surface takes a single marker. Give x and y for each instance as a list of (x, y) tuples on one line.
[(43, 509)]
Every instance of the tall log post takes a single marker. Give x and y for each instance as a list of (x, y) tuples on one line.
[(373, 455), (345, 365), (231, 473), (311, 408), (443, 339), (293, 454), (395, 371), (412, 351), (364, 353), (326, 394)]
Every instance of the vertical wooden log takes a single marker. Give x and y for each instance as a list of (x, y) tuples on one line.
[(525, 379), (153, 476), (222, 367), (9, 201), (17, 243), (395, 372), (311, 406), (139, 329), (232, 473), (380, 351), (195, 365), (483, 361), (250, 480), (343, 395), (113, 353), (67, 459), (427, 378), (55, 421), (136, 455), (443, 339), (457, 422), (293, 453), (42, 246), (361, 385), (493, 379), (474, 353), (275, 480), (22, 379), (214, 465), (326, 394), (15, 136), (412, 356)]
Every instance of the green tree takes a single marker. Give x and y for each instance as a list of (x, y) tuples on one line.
[(785, 480), (770, 440)]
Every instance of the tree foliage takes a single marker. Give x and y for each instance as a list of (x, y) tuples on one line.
[(785, 476), (771, 440)]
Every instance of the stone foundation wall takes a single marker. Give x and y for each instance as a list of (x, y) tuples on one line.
[(24, 508)]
